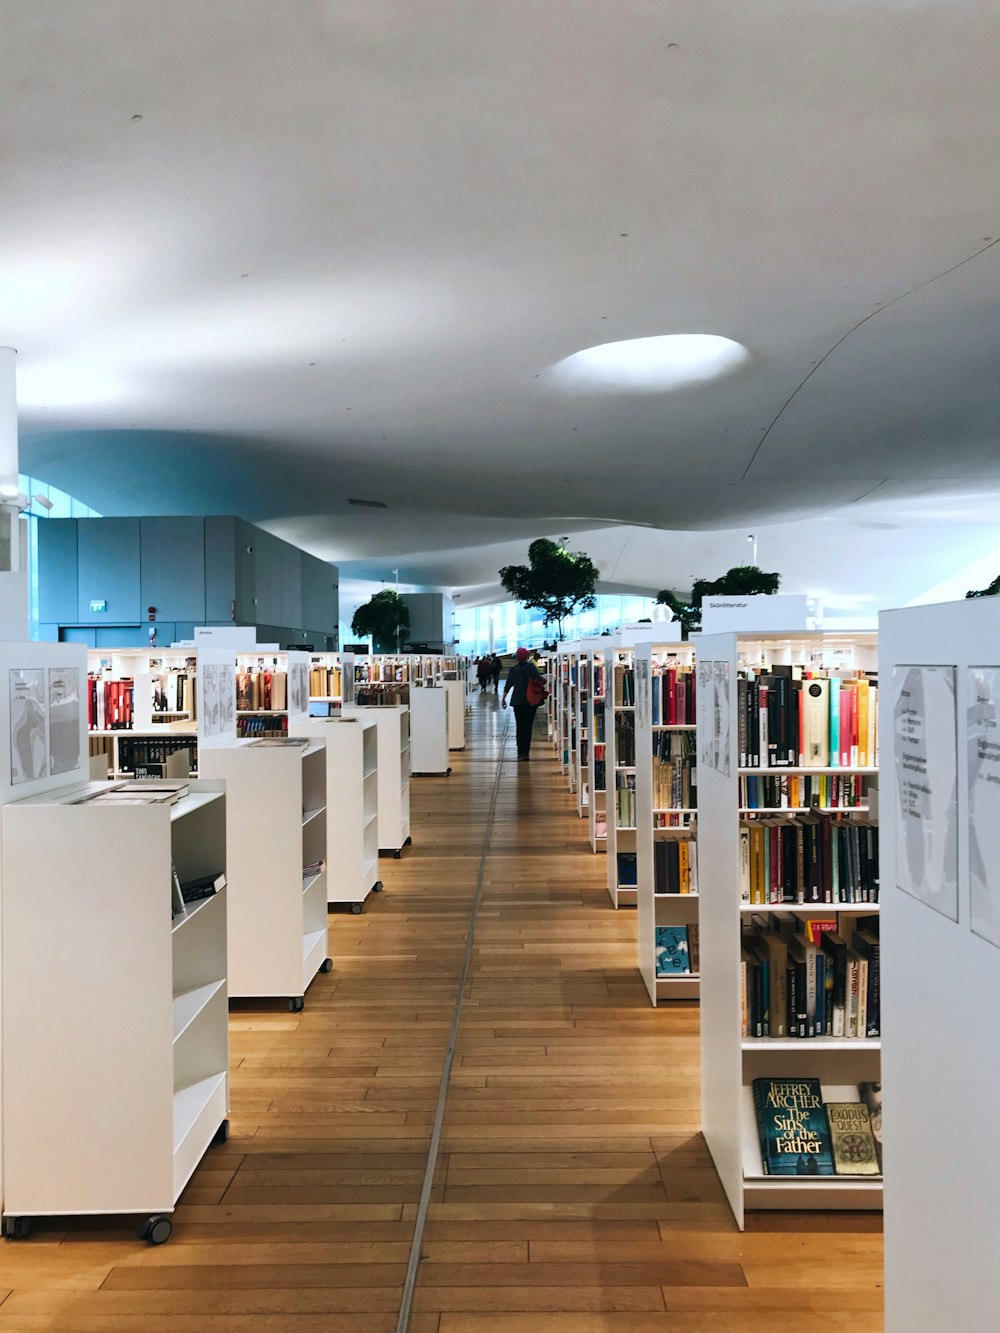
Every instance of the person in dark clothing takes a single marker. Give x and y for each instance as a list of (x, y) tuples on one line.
[(524, 713), (484, 669), (496, 667)]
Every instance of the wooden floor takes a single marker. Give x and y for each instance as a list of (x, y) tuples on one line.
[(573, 1192)]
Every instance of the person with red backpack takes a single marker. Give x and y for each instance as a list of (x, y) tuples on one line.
[(524, 683)]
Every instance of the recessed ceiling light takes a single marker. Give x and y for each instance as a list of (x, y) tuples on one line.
[(650, 365)]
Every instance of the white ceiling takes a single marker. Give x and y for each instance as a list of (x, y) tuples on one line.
[(432, 202)]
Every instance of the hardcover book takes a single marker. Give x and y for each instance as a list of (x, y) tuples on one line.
[(793, 1128), (871, 1095), (671, 951), (854, 1152)]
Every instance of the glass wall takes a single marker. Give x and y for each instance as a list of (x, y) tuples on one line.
[(513, 626), (61, 505)]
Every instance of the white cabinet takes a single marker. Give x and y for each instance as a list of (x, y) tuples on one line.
[(455, 694), (429, 729), (115, 1031), (276, 796), (392, 723)]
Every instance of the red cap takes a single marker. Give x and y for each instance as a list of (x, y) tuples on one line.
[(522, 654)]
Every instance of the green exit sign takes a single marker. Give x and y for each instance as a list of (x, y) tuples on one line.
[(98, 606)]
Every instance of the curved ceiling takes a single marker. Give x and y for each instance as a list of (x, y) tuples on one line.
[(268, 259)]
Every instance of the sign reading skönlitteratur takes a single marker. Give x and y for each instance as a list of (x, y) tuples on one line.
[(983, 727), (926, 814)]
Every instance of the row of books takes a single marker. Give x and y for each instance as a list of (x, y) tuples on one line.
[(807, 979), (272, 725), (788, 718), (675, 780), (109, 704), (624, 685), (599, 734), (387, 696), (801, 1135), (675, 865), (600, 770), (811, 858), (173, 692), (151, 752), (673, 696), (381, 673), (325, 682), (677, 950), (261, 691), (625, 740), (625, 809), (845, 791), (600, 676)]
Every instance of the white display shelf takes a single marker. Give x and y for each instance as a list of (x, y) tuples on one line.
[(126, 1108), (269, 912), (392, 763), (729, 1061), (455, 691), (352, 777), (429, 730)]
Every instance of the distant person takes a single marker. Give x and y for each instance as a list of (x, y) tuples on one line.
[(483, 668), (496, 667), (524, 713), (535, 658)]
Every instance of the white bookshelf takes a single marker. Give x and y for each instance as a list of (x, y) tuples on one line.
[(618, 716), (276, 798), (326, 679), (551, 668), (564, 712), (455, 696), (118, 1062), (392, 724), (731, 1062), (596, 754), (429, 730), (941, 972), (657, 822), (256, 723), (351, 745)]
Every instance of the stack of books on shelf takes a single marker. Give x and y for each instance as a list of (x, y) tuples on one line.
[(628, 873), (675, 865), (801, 1135), (674, 771), (600, 674), (673, 696), (109, 704), (149, 753), (810, 978), (271, 725), (786, 791), (261, 691), (790, 717), (813, 858), (324, 682), (173, 692), (600, 766), (677, 949), (625, 800), (386, 695), (624, 686), (625, 740)]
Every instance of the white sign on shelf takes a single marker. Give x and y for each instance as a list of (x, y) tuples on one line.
[(984, 801), (64, 719), (29, 756), (926, 816), (713, 739), (780, 611)]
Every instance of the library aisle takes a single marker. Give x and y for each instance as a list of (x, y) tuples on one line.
[(573, 1193)]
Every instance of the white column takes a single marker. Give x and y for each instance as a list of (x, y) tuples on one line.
[(13, 533)]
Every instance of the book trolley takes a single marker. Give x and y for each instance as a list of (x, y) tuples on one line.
[(729, 804), (392, 728)]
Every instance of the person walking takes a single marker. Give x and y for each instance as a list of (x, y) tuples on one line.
[(483, 668), (516, 685), (496, 666)]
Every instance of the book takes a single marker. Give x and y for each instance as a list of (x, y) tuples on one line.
[(871, 1096), (793, 1127), (672, 955), (854, 1149)]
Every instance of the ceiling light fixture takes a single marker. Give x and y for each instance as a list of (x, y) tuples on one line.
[(650, 365)]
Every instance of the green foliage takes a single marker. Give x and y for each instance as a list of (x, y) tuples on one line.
[(991, 590), (740, 581), (555, 581), (385, 618)]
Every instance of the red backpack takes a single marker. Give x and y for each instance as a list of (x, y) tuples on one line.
[(535, 692)]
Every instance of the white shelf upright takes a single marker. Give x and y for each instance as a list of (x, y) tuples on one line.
[(392, 724), (352, 805), (663, 816), (455, 694), (118, 1064), (596, 721), (730, 1061), (619, 750), (429, 730)]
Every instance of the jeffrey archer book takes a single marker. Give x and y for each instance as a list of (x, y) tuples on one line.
[(794, 1131)]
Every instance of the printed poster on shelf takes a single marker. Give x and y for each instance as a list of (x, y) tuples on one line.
[(984, 801), (29, 758), (211, 721), (227, 700), (64, 719), (926, 814), (713, 695), (642, 693)]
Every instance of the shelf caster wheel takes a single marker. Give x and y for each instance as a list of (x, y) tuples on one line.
[(157, 1230), (447, 773), (408, 842), (326, 965), (17, 1228), (397, 853), (377, 886), (296, 1003), (357, 909), (221, 1135)]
